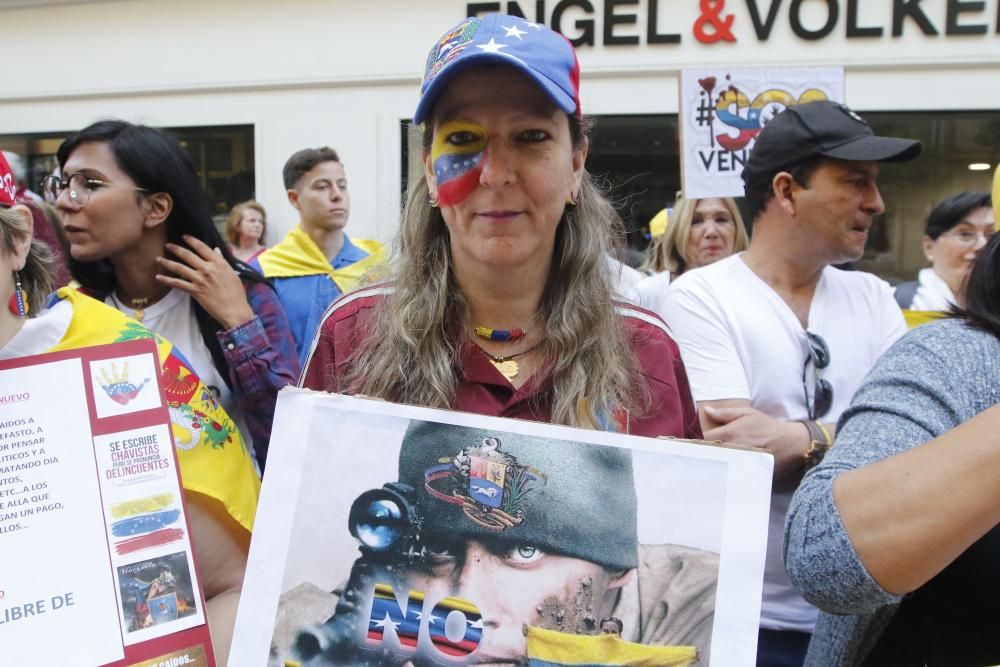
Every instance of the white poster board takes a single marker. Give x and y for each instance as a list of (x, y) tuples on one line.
[(722, 110), (498, 511), (96, 562)]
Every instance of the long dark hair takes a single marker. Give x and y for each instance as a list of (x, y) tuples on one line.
[(982, 291), (157, 163)]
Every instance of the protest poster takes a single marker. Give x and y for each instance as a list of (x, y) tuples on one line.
[(396, 535), (722, 110), (96, 564)]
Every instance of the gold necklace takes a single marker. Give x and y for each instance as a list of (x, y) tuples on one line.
[(506, 364), (139, 307)]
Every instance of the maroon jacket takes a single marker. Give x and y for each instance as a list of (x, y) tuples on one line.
[(483, 390)]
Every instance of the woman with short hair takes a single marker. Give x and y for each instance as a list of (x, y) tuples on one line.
[(957, 229), (246, 229)]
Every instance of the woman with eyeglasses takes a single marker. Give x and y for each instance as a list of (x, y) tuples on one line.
[(220, 483), (956, 231), (896, 534), (142, 240)]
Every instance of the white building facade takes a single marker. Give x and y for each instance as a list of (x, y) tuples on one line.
[(346, 74)]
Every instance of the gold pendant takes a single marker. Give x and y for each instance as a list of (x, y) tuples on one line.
[(508, 368), (139, 308)]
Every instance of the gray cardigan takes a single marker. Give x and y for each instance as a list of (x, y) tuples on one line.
[(931, 380)]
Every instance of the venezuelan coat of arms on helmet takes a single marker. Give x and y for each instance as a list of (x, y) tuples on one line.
[(489, 484)]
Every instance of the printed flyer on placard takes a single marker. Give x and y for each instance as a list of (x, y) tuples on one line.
[(96, 564), (722, 110), (403, 536)]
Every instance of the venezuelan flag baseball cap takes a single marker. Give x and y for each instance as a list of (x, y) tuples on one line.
[(542, 54)]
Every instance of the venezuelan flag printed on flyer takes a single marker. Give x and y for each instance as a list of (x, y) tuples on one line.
[(549, 648), (96, 561)]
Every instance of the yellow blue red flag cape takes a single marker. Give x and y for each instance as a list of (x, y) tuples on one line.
[(548, 648), (213, 458), (297, 255)]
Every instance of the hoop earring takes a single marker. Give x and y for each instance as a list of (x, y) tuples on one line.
[(572, 199), (432, 200), (18, 304)]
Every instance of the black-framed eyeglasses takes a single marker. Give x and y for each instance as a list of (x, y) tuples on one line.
[(820, 400), (79, 187)]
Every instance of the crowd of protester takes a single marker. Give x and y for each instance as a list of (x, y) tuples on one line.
[(503, 298)]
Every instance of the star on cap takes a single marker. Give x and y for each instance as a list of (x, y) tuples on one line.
[(536, 26), (492, 46), (514, 31)]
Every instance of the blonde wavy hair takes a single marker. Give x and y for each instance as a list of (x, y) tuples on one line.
[(410, 353), (666, 252), (38, 274)]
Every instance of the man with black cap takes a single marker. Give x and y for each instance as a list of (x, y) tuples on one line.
[(513, 531), (776, 340)]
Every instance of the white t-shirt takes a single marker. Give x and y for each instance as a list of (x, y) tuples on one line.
[(172, 317), (653, 292), (624, 279), (40, 334), (740, 340)]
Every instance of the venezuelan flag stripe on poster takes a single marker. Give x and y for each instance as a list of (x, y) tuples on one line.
[(457, 156), (548, 648)]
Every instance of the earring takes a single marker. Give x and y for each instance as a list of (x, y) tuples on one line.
[(572, 199), (18, 304), (432, 200)]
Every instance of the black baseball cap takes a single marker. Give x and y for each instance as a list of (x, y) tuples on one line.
[(822, 128)]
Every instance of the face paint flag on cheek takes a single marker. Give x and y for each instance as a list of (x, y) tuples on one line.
[(457, 157)]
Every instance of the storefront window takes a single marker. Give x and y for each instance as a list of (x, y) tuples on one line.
[(953, 141), (636, 159), (223, 157)]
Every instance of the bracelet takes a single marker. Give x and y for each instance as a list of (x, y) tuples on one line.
[(819, 442)]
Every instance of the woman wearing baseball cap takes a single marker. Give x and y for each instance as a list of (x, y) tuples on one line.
[(502, 301)]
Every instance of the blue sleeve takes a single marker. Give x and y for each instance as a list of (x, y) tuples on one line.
[(262, 360)]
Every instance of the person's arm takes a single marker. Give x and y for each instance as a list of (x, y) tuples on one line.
[(255, 337), (905, 489), (262, 360), (220, 547), (912, 514), (735, 421)]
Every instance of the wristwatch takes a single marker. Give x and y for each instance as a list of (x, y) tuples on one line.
[(820, 442)]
